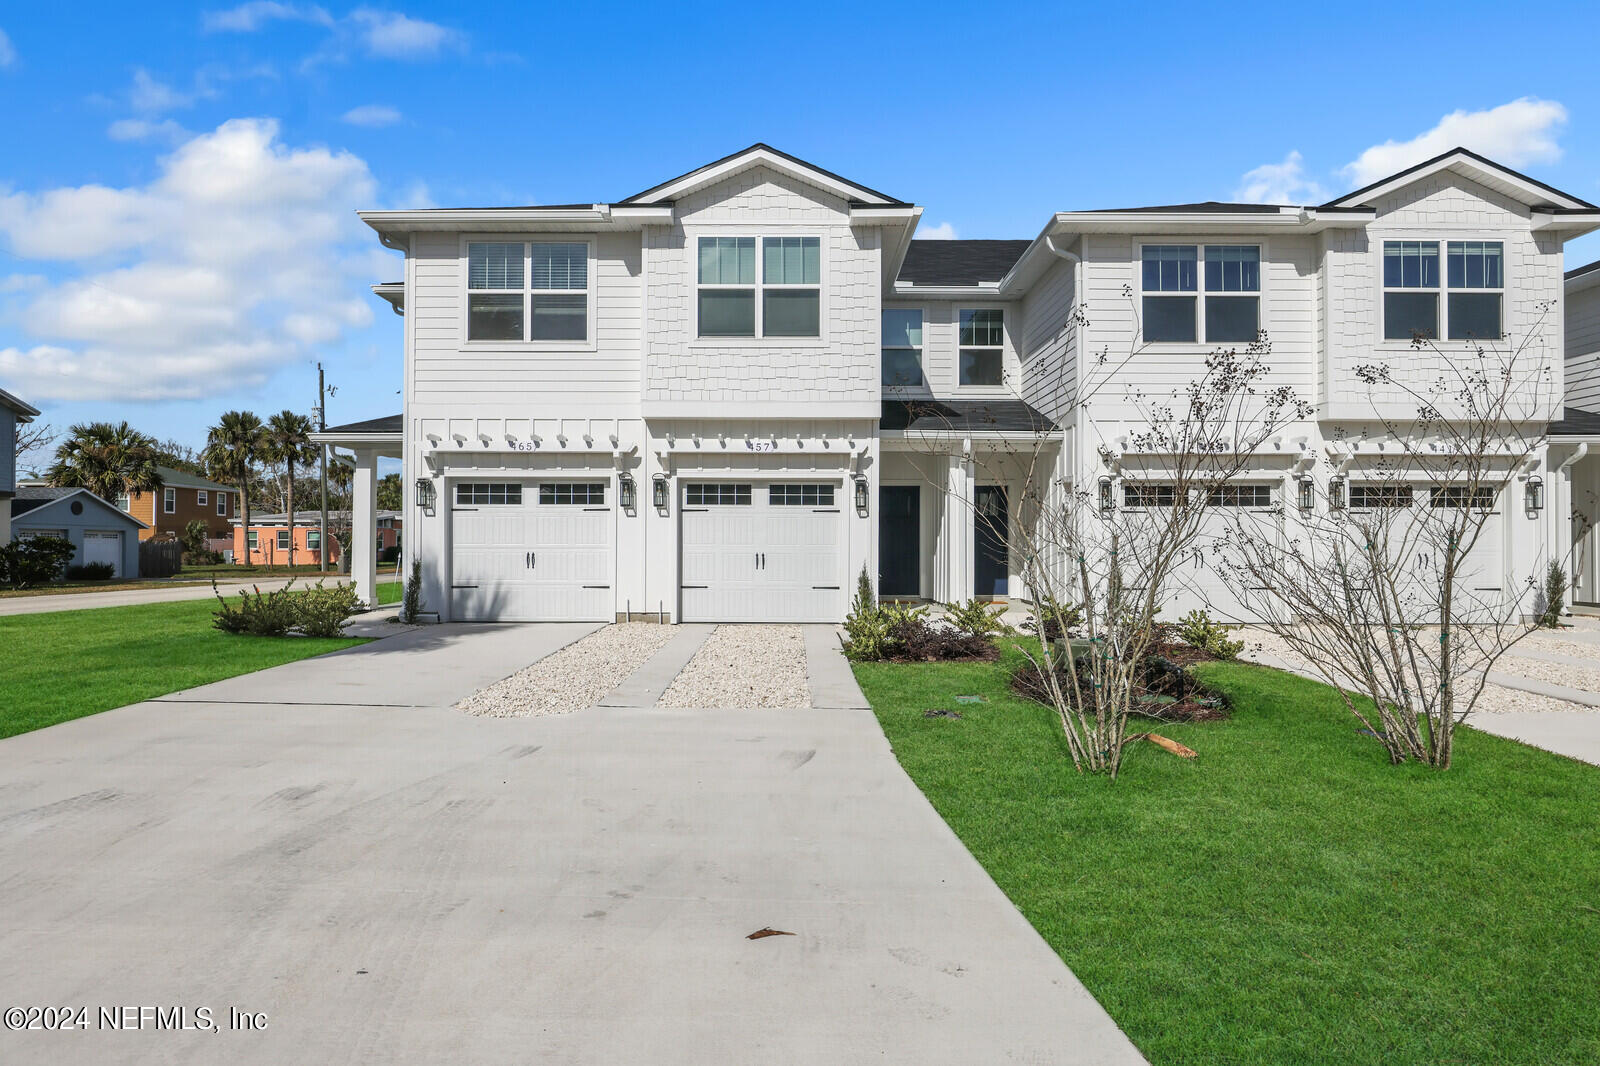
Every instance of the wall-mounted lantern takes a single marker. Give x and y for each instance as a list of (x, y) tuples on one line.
[(626, 492), (1108, 503), (1336, 494), (425, 494), (861, 495), (1306, 497), (1533, 494), (658, 492)]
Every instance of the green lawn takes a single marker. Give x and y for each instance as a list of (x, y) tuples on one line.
[(66, 664), (389, 591), (1287, 897)]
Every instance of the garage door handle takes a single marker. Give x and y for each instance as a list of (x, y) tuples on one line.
[(835, 587), (597, 586)]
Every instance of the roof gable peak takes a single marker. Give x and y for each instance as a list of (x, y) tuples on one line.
[(1469, 164), (760, 154)]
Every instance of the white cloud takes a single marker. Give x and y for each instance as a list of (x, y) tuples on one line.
[(1280, 183), (140, 129), (153, 97), (249, 17), (372, 115), (395, 36), (1516, 134), (241, 253), (8, 53), (944, 231)]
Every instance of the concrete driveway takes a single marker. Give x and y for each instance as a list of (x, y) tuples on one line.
[(328, 845)]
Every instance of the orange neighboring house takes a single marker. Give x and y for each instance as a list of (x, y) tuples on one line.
[(183, 498), (269, 537)]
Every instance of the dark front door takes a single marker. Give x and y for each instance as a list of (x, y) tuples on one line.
[(899, 540), (990, 564)]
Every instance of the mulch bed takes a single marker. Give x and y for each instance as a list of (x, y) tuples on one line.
[(1170, 693)]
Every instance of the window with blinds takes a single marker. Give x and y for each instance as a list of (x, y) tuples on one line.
[(533, 291), (785, 300)]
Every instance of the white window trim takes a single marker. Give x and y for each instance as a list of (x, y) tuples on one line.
[(1200, 292), (692, 251), (926, 384), (1377, 241), (222, 504), (169, 501), (281, 537), (590, 342), (1007, 348), (200, 498)]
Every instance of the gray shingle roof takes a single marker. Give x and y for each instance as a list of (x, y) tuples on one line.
[(386, 424), (959, 262), (980, 416), (32, 497), (1588, 268), (1209, 207)]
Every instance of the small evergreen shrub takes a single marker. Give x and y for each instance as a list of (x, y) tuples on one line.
[(264, 614), (866, 628), (1555, 596), (323, 610), (411, 600), (1197, 630), (977, 618)]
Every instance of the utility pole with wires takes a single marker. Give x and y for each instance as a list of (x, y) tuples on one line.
[(322, 464)]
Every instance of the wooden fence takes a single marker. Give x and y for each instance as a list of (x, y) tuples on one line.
[(160, 558)]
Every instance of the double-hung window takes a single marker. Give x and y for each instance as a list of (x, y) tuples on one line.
[(902, 348), (222, 503), (283, 540), (200, 497), (981, 342), (1172, 284), (786, 301), (251, 539), (1476, 279), (537, 291), (169, 501), (1474, 284)]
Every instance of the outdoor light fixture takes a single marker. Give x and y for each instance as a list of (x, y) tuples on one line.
[(625, 492), (861, 496), (1336, 494), (1107, 503), (658, 491), (1306, 499), (425, 494), (1534, 493)]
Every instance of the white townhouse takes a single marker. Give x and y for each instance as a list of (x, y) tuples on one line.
[(722, 397)]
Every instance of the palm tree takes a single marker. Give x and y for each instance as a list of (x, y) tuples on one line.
[(288, 441), (108, 460), (232, 447)]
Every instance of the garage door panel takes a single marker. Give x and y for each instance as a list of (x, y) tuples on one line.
[(104, 548), (533, 561), (758, 561)]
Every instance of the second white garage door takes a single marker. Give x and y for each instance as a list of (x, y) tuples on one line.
[(533, 551), (757, 551)]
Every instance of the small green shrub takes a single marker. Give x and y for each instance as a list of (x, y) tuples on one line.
[(1555, 596), (1197, 630), (32, 561), (1057, 619), (866, 627), (91, 572), (264, 614), (196, 537), (977, 618), (323, 610), (411, 601)]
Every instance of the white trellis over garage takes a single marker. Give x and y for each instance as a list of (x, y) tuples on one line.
[(369, 441)]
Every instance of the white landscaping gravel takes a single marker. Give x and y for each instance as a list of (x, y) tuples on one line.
[(577, 676), (744, 666), (1495, 697)]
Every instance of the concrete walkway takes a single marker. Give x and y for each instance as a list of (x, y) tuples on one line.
[(388, 880), (152, 593)]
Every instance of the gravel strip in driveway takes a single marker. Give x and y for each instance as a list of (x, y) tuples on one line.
[(744, 666), (573, 678), (1494, 698)]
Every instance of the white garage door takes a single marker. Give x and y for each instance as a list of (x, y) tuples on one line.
[(757, 551), (1480, 582), (532, 551), (1197, 582), (104, 548)]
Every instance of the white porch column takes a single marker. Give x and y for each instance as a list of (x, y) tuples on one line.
[(364, 526), (953, 573)]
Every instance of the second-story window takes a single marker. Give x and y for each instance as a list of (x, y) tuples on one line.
[(527, 292), (200, 497), (1172, 283), (790, 287), (1473, 280), (902, 348), (1476, 281), (982, 346), (169, 501), (1410, 289), (222, 503)]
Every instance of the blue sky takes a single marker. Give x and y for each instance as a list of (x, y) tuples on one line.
[(177, 235)]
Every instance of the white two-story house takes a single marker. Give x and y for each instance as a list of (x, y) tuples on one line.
[(722, 398)]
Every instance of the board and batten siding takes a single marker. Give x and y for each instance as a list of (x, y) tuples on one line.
[(1444, 207), (452, 378), (686, 375), (1583, 347)]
